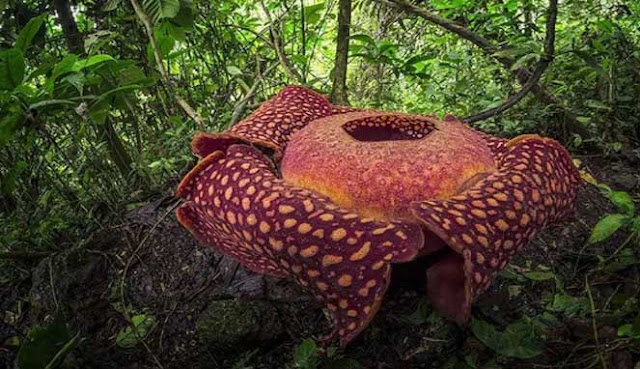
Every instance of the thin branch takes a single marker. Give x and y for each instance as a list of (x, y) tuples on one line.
[(146, 21), (490, 49), (545, 60), (241, 105), (291, 72)]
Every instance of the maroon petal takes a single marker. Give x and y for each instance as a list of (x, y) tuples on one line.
[(536, 184), (272, 123), (235, 203)]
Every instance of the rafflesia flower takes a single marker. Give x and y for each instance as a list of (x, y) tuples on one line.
[(333, 196)]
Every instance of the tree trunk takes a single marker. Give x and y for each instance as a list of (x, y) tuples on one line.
[(339, 90), (106, 132), (75, 43), (116, 148)]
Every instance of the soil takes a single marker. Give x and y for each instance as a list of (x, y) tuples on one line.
[(211, 313)]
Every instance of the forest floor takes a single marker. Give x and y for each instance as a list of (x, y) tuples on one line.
[(561, 303)]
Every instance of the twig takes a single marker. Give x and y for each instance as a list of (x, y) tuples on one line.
[(242, 104), (594, 323), (279, 48), (123, 279), (146, 21)]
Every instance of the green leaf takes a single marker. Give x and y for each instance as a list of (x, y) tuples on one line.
[(623, 201), (42, 345), (569, 305), (77, 80), (233, 70), (540, 275), (85, 63), (363, 38), (161, 9), (11, 69), (421, 314), (94, 41), (99, 111), (312, 13), (519, 339), (607, 226), (9, 124), (28, 32), (630, 330), (64, 66), (42, 103), (136, 331), (306, 355), (111, 5)]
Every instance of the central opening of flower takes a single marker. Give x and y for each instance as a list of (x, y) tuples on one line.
[(388, 128)]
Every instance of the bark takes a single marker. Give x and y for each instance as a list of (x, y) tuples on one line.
[(339, 91), (73, 37), (116, 148)]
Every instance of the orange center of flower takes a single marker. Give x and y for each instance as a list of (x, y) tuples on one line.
[(379, 163)]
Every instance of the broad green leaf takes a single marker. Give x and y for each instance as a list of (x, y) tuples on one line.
[(42, 345), (306, 355), (186, 16), (569, 305), (136, 331), (363, 38), (630, 330), (623, 201), (28, 32), (233, 70), (161, 9), (64, 66), (9, 124), (540, 275), (607, 226), (93, 60), (98, 112), (110, 5), (94, 41), (11, 69), (313, 13), (519, 339), (623, 260), (77, 80)]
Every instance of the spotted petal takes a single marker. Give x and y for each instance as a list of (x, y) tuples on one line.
[(270, 126), (536, 184), (235, 203)]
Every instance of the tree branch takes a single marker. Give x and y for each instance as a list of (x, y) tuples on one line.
[(489, 48), (241, 105), (291, 72), (545, 60), (146, 21)]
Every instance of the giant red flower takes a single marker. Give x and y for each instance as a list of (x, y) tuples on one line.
[(353, 192)]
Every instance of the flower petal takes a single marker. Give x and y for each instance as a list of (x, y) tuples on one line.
[(536, 184), (272, 123), (235, 203)]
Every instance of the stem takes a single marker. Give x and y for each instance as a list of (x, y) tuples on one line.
[(146, 21)]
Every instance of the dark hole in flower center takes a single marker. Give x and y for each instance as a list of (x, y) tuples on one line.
[(388, 128)]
